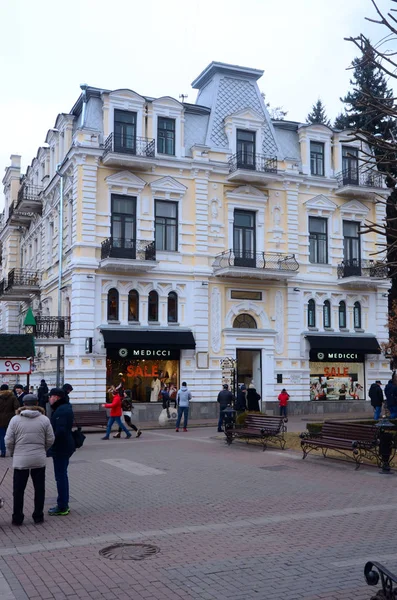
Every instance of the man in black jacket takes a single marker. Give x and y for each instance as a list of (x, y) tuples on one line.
[(62, 422), (225, 398), (376, 395)]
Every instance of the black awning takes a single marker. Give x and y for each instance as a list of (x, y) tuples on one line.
[(148, 338), (16, 346), (367, 344)]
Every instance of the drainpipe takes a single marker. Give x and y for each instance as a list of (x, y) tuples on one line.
[(60, 271), (83, 88)]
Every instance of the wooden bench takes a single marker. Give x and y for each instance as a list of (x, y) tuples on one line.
[(260, 427), (90, 418), (353, 440)]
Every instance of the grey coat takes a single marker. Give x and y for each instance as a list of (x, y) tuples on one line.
[(29, 436)]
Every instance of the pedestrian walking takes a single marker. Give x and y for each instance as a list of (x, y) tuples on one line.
[(225, 398), (42, 394), (29, 436), (62, 422), (67, 389), (183, 398), (165, 396), (8, 405), (241, 402), (253, 398), (283, 398), (376, 395), (127, 408), (391, 397), (115, 413), (19, 393)]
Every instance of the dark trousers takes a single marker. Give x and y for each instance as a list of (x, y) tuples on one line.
[(283, 411), (221, 417), (2, 444), (182, 410), (61, 464), (127, 419), (21, 477)]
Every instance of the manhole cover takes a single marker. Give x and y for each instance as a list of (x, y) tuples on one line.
[(275, 468), (129, 551)]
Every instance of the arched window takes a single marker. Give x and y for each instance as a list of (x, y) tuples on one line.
[(133, 306), (311, 313), (172, 307), (327, 314), (113, 305), (342, 315), (357, 315), (153, 310), (244, 321)]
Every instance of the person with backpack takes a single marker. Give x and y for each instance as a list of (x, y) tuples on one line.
[(183, 398), (283, 398)]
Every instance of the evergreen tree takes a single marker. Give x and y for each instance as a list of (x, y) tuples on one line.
[(368, 83), (318, 114), (341, 121)]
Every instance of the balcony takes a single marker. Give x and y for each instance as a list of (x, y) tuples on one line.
[(253, 168), (19, 285), (28, 200), (18, 217), (128, 151), (359, 182), (361, 273), (256, 265), (119, 254), (52, 330)]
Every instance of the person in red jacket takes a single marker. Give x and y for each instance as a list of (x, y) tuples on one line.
[(283, 402), (115, 413)]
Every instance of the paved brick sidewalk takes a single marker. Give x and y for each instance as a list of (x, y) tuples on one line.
[(234, 523)]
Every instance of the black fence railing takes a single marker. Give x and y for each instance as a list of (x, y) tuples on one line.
[(362, 268), (252, 162), (22, 278), (361, 178), (125, 248), (125, 144), (28, 192), (271, 261), (52, 327), (377, 574)]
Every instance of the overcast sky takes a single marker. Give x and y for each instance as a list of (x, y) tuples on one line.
[(157, 47)]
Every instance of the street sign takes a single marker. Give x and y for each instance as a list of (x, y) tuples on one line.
[(15, 366)]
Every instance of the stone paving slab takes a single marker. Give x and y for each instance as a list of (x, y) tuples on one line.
[(225, 526)]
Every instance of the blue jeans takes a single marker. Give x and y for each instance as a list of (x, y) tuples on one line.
[(377, 412), (61, 464), (182, 410), (283, 411), (2, 444), (119, 423), (393, 412)]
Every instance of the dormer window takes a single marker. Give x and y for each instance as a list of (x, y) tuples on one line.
[(245, 149), (166, 136), (125, 131), (317, 159)]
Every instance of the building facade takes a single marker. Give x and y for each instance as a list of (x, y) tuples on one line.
[(158, 241)]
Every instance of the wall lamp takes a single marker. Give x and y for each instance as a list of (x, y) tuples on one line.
[(385, 295), (297, 289)]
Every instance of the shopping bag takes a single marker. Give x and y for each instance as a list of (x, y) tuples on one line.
[(168, 416)]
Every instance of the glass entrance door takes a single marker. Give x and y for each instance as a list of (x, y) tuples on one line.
[(244, 238), (249, 369), (125, 131)]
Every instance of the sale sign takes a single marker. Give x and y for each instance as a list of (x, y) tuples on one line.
[(15, 366)]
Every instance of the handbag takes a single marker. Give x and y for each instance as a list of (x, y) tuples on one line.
[(78, 436)]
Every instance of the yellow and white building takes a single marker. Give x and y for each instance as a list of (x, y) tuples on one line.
[(191, 233)]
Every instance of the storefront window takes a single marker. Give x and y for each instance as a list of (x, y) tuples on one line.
[(342, 315), (357, 315), (133, 306), (172, 307), (336, 375), (153, 309), (144, 373), (311, 313), (327, 314), (113, 305)]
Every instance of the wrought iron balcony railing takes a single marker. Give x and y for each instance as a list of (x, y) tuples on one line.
[(28, 192), (362, 268), (124, 248), (21, 278), (252, 162), (125, 144), (52, 327), (270, 261), (360, 177)]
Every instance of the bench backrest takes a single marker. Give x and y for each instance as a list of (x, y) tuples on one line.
[(349, 431), (263, 422), (85, 417)]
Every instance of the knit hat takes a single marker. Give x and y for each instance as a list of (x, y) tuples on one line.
[(4, 387), (57, 392), (30, 399), (67, 387)]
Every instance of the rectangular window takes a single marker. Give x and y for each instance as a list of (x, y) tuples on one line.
[(166, 226), (245, 295), (317, 158), (318, 252), (246, 149), (351, 249), (125, 131), (244, 241), (166, 136), (123, 226), (350, 165)]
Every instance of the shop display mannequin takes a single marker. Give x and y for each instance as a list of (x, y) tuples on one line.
[(156, 387)]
